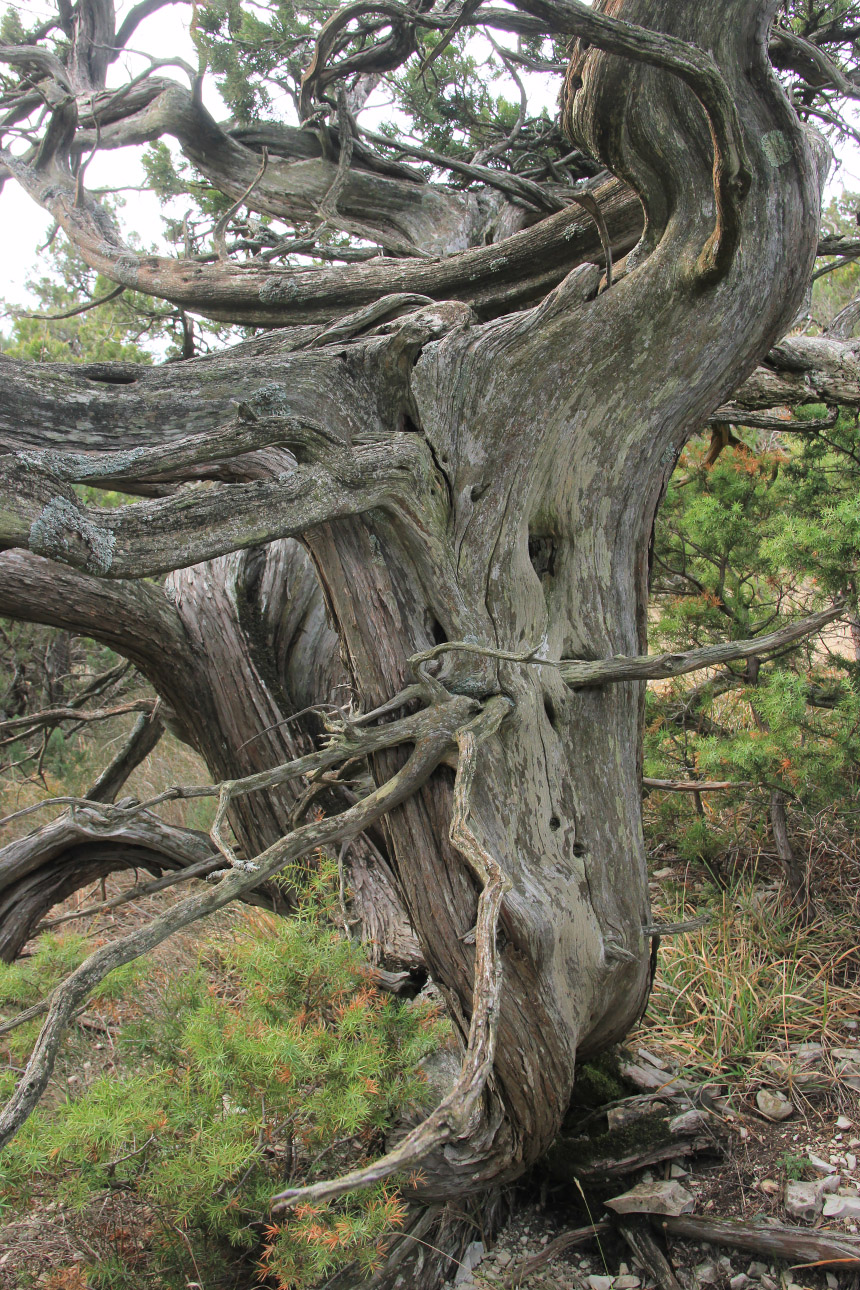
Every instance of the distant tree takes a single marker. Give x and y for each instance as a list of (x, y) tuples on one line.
[(425, 494)]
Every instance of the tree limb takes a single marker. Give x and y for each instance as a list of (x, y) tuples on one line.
[(40, 513), (657, 667), (451, 1118), (68, 996)]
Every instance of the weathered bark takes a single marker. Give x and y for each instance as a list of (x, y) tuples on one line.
[(235, 649), (537, 445)]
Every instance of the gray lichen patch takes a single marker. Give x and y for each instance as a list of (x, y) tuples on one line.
[(61, 532), (77, 466)]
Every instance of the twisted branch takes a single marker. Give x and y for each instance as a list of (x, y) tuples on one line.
[(451, 1118), (68, 996)]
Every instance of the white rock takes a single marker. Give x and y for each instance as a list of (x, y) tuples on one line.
[(677, 1170), (774, 1104), (626, 1283), (842, 1123), (470, 1260), (802, 1201), (850, 1161), (740, 1282), (758, 1269), (667, 1197), (599, 1283), (832, 1283), (840, 1206), (689, 1122), (502, 1257), (706, 1274), (822, 1166)]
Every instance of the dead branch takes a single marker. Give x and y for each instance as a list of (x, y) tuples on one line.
[(54, 716), (657, 667), (567, 1241), (352, 741), (649, 667), (694, 785), (70, 993), (450, 1119), (774, 1241)]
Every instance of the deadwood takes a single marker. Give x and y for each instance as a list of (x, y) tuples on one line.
[(470, 448), (69, 995)]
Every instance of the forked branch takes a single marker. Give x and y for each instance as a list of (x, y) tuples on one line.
[(451, 1117), (68, 996)]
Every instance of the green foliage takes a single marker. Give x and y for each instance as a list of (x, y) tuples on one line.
[(768, 532), (273, 1062), (130, 328)]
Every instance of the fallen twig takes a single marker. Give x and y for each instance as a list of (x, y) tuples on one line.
[(579, 1236)]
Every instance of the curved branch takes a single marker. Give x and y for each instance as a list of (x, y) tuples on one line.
[(494, 279), (68, 996), (42, 869), (40, 513)]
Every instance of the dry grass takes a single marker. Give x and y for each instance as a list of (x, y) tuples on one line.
[(756, 980), (84, 757)]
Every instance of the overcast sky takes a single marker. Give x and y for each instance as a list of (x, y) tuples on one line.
[(25, 226)]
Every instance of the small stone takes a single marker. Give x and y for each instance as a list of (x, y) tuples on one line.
[(842, 1123), (740, 1282), (706, 1274), (677, 1170), (470, 1260), (502, 1257), (774, 1104), (626, 1283), (822, 1166), (757, 1269), (667, 1197), (768, 1283), (832, 1283), (770, 1187), (850, 1161), (689, 1122), (595, 1282), (841, 1206), (803, 1200)]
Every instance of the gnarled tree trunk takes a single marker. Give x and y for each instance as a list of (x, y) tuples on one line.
[(493, 483)]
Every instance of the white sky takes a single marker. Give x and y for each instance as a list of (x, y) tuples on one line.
[(24, 226)]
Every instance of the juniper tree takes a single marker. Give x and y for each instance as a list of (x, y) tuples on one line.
[(432, 475)]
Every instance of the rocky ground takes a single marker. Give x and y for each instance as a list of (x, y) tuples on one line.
[(782, 1157)]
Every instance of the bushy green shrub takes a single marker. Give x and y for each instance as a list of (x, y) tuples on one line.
[(274, 1062)]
